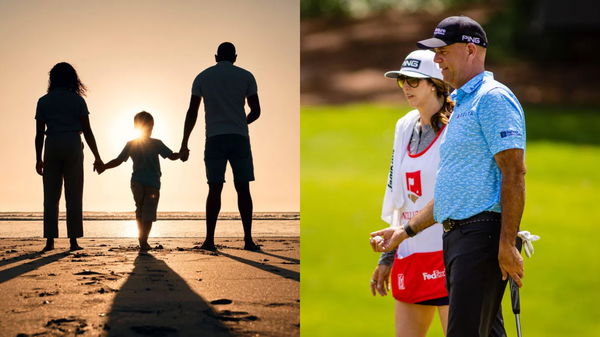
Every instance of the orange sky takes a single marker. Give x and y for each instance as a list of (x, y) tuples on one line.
[(144, 55)]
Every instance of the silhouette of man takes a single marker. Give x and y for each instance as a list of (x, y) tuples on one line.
[(225, 88)]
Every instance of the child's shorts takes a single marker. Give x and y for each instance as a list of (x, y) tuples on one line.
[(146, 201)]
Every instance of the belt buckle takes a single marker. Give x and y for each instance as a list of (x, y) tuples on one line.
[(449, 225)]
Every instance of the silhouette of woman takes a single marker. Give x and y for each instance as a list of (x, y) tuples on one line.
[(62, 116)]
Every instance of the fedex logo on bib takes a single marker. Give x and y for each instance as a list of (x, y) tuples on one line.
[(413, 185), (434, 275)]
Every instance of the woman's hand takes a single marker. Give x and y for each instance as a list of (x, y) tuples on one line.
[(99, 166), (39, 167), (387, 239), (380, 281)]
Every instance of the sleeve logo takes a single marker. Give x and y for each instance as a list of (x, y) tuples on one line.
[(508, 133)]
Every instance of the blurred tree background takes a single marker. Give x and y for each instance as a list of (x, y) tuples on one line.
[(546, 50)]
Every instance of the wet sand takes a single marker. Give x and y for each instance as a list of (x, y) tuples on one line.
[(109, 289)]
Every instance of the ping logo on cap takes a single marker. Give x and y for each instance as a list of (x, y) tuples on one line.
[(471, 39), (411, 63), (439, 31)]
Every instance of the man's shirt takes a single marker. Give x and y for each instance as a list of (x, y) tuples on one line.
[(224, 88), (487, 119)]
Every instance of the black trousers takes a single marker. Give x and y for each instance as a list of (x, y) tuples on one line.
[(63, 161), (474, 280)]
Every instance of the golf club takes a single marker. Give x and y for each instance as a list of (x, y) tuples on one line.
[(515, 298)]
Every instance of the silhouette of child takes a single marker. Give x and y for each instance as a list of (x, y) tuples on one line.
[(145, 180)]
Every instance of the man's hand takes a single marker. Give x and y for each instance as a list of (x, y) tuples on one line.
[(511, 263), (380, 281), (387, 239), (39, 167), (184, 153)]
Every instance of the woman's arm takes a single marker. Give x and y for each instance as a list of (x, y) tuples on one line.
[(89, 137), (39, 145)]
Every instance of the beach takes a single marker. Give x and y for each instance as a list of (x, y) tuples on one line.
[(176, 289)]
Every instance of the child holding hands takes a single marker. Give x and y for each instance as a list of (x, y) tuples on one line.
[(145, 179)]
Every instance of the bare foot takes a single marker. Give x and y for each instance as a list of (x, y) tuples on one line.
[(209, 246), (144, 247), (49, 245), (48, 248), (251, 246), (75, 247)]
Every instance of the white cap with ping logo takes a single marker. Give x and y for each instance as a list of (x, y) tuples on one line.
[(418, 64)]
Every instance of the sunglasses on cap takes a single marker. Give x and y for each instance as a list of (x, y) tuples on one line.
[(412, 82)]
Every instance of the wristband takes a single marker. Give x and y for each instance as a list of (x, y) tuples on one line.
[(409, 231)]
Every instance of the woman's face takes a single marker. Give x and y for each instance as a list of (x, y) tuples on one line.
[(417, 96)]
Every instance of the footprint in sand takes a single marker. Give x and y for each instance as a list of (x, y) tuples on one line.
[(235, 316), (67, 326), (221, 301)]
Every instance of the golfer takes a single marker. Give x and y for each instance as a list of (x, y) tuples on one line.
[(480, 189), (417, 274)]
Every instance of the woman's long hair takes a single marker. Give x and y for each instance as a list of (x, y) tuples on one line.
[(442, 90), (63, 75)]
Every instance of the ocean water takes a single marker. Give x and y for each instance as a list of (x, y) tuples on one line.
[(123, 225)]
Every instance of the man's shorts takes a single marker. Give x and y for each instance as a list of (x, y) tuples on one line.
[(233, 148), (146, 201)]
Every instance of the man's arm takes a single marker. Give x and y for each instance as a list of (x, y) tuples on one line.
[(190, 121), (254, 105), (393, 236), (512, 198), (40, 127)]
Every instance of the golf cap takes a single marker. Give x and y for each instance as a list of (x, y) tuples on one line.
[(455, 29), (418, 64)]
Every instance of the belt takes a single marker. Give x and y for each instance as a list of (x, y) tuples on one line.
[(450, 224)]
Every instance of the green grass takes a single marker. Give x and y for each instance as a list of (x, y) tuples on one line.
[(345, 154)]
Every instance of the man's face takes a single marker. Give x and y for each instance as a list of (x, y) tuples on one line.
[(452, 60)]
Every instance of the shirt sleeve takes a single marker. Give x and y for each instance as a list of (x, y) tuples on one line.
[(124, 155), (502, 121), (84, 109), (163, 150), (39, 115), (196, 90), (252, 88)]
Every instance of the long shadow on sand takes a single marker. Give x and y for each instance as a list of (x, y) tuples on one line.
[(19, 258), (290, 259), (289, 274), (21, 269), (156, 301)]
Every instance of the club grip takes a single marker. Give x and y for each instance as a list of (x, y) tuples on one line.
[(514, 289)]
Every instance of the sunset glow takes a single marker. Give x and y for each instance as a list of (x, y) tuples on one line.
[(144, 55)]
